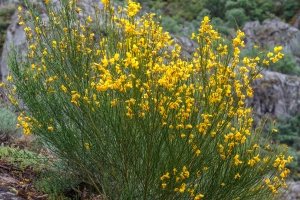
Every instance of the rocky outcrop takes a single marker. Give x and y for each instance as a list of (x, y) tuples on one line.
[(15, 35), (275, 95), (273, 33), (6, 194), (188, 46), (293, 192)]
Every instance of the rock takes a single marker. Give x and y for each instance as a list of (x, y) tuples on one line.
[(293, 192), (295, 21), (188, 46), (15, 35), (7, 195), (275, 95), (273, 33)]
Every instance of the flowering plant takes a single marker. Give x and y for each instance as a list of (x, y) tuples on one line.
[(133, 118)]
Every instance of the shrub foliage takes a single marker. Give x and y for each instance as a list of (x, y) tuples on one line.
[(109, 96)]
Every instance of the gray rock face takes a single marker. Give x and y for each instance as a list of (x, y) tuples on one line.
[(188, 45), (273, 33), (297, 20), (293, 192), (7, 195), (15, 35), (276, 95)]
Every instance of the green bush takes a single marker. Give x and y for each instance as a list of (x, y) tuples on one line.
[(23, 158), (8, 123), (236, 18), (290, 8), (171, 25), (218, 24), (56, 183), (288, 133), (216, 7), (134, 120), (286, 65), (176, 8)]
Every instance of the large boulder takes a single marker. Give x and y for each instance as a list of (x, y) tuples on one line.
[(275, 95), (293, 192), (272, 33), (15, 36), (188, 46)]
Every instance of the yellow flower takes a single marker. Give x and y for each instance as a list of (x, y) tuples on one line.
[(163, 185), (236, 160), (205, 169), (243, 139), (188, 126), (277, 49), (206, 19), (270, 54), (290, 158), (251, 162), (54, 44), (237, 176), (89, 19), (238, 136), (193, 36), (116, 56), (105, 2), (87, 146), (199, 196), (174, 171), (78, 10), (255, 146), (182, 188), (165, 176), (50, 128), (91, 36), (64, 88), (256, 158), (113, 103), (133, 8), (198, 152), (213, 134)]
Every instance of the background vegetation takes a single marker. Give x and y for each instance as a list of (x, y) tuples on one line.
[(182, 15)]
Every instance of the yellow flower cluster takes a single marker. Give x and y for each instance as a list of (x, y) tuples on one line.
[(135, 73), (25, 122), (179, 180)]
